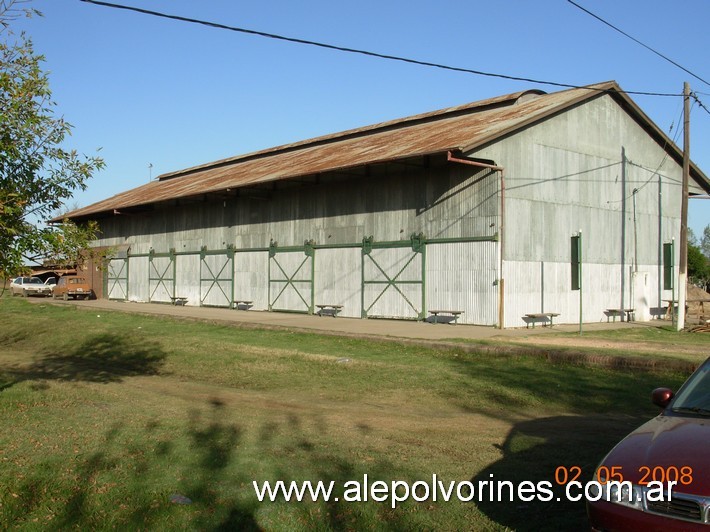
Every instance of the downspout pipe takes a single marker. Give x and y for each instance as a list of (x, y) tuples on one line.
[(450, 157)]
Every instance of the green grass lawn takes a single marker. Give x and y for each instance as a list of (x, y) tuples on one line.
[(641, 344), (106, 416)]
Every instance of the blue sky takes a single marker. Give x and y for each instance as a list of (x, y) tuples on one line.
[(153, 91)]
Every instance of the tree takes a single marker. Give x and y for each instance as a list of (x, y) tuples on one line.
[(705, 242), (37, 172), (698, 267), (692, 239)]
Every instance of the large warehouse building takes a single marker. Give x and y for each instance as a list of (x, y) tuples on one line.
[(471, 208)]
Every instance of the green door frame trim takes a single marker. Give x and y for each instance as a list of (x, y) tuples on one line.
[(418, 243), (314, 246)]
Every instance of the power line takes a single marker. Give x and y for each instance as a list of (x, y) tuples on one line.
[(700, 104), (359, 51), (655, 172), (638, 42)]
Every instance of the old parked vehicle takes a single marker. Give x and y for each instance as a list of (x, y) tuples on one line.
[(29, 286), (72, 286), (671, 448)]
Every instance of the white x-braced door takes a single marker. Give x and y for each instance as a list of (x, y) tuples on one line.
[(291, 280), (393, 280), (117, 279), (161, 278), (217, 278)]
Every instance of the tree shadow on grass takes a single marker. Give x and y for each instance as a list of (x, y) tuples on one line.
[(128, 476), (609, 404), (119, 482), (516, 383), (103, 358), (214, 445), (557, 450)]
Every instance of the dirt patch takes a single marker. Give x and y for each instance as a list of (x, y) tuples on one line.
[(695, 292)]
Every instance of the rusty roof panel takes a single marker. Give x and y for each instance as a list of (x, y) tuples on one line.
[(464, 127), (490, 103)]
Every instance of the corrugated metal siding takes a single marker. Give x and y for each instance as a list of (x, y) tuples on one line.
[(464, 202), (462, 276), (452, 201), (594, 169), (569, 173), (138, 279), (251, 279), (338, 279), (531, 287), (546, 287), (187, 278)]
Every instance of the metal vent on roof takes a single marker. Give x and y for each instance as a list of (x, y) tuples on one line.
[(528, 96)]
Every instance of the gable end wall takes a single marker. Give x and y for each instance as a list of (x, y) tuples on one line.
[(578, 171)]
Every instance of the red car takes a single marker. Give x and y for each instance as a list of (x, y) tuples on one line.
[(672, 447)]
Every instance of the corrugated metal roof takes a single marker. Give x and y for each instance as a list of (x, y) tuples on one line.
[(457, 128)]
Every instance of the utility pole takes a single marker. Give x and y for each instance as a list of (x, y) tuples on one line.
[(683, 263)]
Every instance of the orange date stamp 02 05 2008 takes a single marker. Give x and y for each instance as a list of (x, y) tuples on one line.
[(682, 475)]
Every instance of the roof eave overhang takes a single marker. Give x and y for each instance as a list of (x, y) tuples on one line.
[(141, 208)]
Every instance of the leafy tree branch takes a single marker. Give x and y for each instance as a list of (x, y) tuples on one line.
[(38, 173)]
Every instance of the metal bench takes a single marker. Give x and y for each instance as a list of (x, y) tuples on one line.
[(178, 300), (333, 309), (535, 316), (454, 313), (243, 304)]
